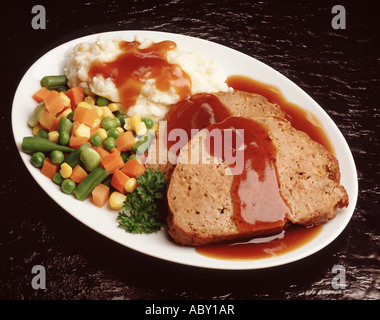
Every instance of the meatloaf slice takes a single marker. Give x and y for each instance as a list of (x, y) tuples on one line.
[(238, 103), (199, 200)]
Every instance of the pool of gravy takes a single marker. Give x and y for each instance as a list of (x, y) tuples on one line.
[(293, 236)]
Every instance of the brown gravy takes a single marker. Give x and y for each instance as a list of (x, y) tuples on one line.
[(300, 118), (294, 236), (257, 203), (132, 68), (262, 247), (196, 112)]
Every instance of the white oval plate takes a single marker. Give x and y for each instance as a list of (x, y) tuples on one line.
[(103, 220)]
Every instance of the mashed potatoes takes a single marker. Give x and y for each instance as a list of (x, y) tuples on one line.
[(205, 74)]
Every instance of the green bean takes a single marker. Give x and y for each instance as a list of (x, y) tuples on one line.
[(36, 114), (143, 144), (89, 183), (73, 158), (52, 82), (90, 159), (133, 156), (70, 116), (107, 181), (64, 138), (64, 124), (34, 144), (64, 130), (60, 88), (125, 155)]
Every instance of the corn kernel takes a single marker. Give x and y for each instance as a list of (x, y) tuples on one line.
[(35, 129), (134, 121), (66, 100), (90, 100), (107, 112), (53, 136), (102, 132), (113, 106), (121, 130), (127, 124), (99, 111), (116, 200), (82, 131), (65, 170), (84, 105), (97, 123), (130, 185), (66, 112), (154, 128), (141, 129)]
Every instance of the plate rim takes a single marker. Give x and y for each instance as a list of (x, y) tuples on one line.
[(219, 264)]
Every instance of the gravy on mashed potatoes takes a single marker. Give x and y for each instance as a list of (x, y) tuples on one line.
[(146, 77)]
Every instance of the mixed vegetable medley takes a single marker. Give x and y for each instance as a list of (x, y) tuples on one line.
[(90, 149)]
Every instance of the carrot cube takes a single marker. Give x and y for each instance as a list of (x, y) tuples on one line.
[(53, 102), (125, 141), (118, 181), (100, 195), (112, 162), (76, 142), (49, 169), (76, 95), (85, 115), (78, 174), (41, 94), (133, 168), (48, 121)]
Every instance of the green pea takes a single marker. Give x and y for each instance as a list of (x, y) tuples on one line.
[(109, 143), (37, 159), (121, 118), (64, 138), (117, 121), (114, 133), (57, 157), (96, 139), (101, 101), (68, 186), (57, 178), (109, 123), (90, 159), (43, 133), (148, 122)]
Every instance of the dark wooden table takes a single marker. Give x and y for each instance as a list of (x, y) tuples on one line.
[(338, 68)]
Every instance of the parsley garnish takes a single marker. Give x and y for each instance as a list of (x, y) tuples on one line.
[(139, 213)]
